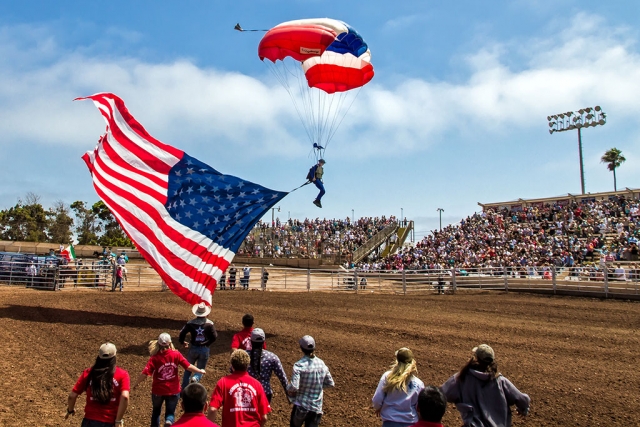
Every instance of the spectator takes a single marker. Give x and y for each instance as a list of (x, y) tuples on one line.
[(118, 279), (264, 363), (107, 389), (246, 272), (232, 277), (222, 285), (481, 394), (242, 339), (194, 403), (163, 366), (305, 389), (432, 405), (397, 393), (202, 334), (241, 397)]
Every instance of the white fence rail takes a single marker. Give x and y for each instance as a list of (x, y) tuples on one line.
[(604, 282)]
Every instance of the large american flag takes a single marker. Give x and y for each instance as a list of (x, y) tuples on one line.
[(186, 218)]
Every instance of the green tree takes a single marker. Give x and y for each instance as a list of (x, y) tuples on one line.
[(613, 158), (60, 223), (26, 221), (113, 234), (87, 226)]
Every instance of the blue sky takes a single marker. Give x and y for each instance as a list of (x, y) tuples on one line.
[(455, 115)]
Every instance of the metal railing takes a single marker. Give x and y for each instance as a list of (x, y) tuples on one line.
[(601, 282)]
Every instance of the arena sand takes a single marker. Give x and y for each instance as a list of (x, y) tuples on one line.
[(577, 358)]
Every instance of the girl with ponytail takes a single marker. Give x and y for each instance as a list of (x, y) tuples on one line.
[(397, 393), (163, 367)]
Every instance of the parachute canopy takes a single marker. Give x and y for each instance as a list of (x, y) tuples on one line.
[(318, 61)]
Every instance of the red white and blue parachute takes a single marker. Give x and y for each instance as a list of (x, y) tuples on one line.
[(321, 63)]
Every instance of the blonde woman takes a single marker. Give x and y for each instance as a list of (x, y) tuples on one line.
[(396, 397), (163, 366)]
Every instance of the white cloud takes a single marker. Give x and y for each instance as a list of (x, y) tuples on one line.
[(587, 63)]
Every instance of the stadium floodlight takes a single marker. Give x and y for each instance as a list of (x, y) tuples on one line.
[(583, 118)]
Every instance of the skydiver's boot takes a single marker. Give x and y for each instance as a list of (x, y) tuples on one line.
[(317, 203)]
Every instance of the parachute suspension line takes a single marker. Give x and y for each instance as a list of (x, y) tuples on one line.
[(346, 112), (281, 72)]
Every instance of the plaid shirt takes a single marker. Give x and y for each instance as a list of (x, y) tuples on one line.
[(310, 377)]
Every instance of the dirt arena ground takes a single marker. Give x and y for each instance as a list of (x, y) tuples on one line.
[(576, 358)]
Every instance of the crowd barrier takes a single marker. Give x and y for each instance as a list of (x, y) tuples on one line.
[(581, 281)]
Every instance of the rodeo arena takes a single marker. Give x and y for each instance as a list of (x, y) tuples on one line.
[(537, 279), (524, 312)]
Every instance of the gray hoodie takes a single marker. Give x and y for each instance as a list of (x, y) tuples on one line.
[(485, 402)]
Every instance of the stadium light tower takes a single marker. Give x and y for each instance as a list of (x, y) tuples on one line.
[(440, 210), (583, 118)]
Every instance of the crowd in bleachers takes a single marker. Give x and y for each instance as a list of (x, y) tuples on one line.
[(311, 238), (558, 234)]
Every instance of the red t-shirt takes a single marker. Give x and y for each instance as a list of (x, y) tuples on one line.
[(164, 368), (242, 398), (242, 340), (97, 411), (194, 420)]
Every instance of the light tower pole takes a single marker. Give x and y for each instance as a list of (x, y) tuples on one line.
[(440, 210), (583, 118)]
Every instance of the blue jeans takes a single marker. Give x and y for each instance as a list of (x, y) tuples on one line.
[(320, 186), (93, 423), (396, 424), (171, 401), (199, 356)]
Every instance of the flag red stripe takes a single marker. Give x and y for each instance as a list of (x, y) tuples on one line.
[(118, 177), (113, 155), (174, 285)]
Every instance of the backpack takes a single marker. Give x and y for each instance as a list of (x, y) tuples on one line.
[(312, 173)]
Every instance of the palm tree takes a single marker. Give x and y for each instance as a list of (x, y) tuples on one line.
[(613, 158)]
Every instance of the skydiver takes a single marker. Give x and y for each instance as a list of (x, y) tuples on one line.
[(316, 178)]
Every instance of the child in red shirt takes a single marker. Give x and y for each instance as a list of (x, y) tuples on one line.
[(107, 389), (242, 339), (163, 366), (242, 398)]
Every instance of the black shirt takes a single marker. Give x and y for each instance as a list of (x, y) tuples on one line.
[(202, 331)]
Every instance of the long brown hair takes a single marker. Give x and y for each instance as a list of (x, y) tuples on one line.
[(477, 365), (101, 379)]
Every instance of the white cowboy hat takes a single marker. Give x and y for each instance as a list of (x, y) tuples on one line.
[(201, 310)]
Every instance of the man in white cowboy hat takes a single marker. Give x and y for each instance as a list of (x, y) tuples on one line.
[(203, 334)]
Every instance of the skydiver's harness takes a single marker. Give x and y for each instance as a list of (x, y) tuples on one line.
[(310, 175)]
